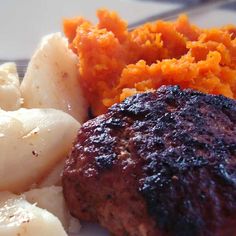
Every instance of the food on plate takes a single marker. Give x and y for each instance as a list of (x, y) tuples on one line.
[(52, 79), (10, 96), (51, 198), (20, 218), (158, 163), (32, 143), (28, 138), (161, 162), (54, 177), (115, 63)]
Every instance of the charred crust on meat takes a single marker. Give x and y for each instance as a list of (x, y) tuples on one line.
[(183, 154), (180, 147), (105, 161)]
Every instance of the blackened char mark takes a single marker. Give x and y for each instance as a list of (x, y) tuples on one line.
[(164, 161), (187, 141)]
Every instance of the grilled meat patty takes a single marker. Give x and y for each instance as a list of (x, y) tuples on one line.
[(161, 163)]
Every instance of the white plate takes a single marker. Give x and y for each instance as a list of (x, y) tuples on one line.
[(23, 23), (92, 230)]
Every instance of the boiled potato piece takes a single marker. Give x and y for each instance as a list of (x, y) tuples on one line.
[(50, 198), (19, 217), (54, 177), (51, 80), (32, 143), (10, 96)]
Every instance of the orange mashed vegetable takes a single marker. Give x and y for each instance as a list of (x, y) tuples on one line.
[(115, 63)]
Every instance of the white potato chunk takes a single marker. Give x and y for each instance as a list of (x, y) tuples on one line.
[(52, 199), (19, 217), (32, 143), (10, 96), (54, 177), (52, 79)]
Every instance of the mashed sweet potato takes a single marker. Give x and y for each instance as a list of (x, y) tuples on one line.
[(116, 63)]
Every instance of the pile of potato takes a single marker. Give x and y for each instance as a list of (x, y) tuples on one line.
[(39, 119)]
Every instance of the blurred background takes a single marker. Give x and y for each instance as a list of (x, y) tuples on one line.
[(23, 23)]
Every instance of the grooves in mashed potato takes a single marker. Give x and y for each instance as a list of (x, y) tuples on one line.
[(116, 63)]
